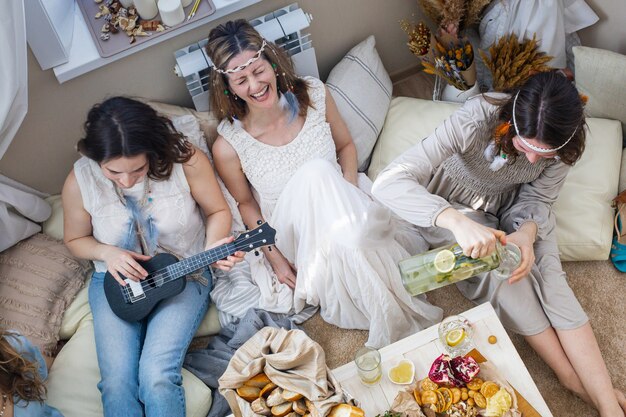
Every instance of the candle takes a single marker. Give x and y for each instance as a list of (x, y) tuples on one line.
[(147, 9), (127, 3), (172, 12)]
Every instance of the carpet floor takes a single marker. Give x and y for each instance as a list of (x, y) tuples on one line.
[(601, 290)]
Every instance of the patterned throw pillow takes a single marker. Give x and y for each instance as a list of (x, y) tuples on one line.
[(362, 90), (38, 280)]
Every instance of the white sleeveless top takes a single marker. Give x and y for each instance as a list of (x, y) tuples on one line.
[(269, 168), (172, 209)]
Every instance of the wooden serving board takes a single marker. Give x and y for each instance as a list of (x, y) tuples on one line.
[(523, 406)]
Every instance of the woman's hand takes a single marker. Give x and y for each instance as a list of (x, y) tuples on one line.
[(476, 240), (524, 238), (284, 270), (122, 261), (227, 263)]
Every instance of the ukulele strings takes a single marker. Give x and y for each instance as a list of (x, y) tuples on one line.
[(160, 276)]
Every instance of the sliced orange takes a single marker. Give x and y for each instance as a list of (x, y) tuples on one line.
[(429, 397), (456, 395), (426, 384), (475, 384), (480, 400), (418, 397), (489, 389)]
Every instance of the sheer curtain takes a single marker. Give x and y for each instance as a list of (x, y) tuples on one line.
[(13, 71), (20, 209)]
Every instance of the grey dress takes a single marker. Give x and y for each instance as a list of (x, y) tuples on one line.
[(451, 168)]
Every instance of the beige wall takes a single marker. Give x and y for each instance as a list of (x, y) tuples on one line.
[(610, 31), (43, 150)]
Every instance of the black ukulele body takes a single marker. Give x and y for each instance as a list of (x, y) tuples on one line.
[(155, 289)]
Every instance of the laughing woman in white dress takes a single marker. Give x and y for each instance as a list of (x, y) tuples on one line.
[(287, 157)]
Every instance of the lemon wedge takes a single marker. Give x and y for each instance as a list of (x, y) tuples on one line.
[(444, 261), (403, 373), (455, 336)]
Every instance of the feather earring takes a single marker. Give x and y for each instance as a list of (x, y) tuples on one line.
[(289, 103), (497, 159)]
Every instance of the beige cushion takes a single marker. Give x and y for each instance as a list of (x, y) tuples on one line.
[(72, 382), (208, 122), (38, 280), (583, 210), (79, 311), (601, 76), (53, 226), (361, 88)]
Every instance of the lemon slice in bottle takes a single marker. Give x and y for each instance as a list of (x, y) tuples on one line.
[(444, 261), (455, 336)]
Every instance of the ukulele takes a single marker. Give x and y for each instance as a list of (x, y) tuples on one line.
[(134, 301)]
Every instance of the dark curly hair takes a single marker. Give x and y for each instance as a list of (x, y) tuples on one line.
[(123, 127), (19, 376), (548, 109), (230, 39)]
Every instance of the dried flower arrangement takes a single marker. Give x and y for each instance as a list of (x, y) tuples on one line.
[(511, 61), (446, 54)]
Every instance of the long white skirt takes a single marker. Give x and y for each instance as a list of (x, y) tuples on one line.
[(346, 249)]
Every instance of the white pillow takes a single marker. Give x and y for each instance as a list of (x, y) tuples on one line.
[(601, 76), (73, 380), (362, 90), (583, 210)]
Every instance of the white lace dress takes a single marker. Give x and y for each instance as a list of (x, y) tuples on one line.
[(342, 242)]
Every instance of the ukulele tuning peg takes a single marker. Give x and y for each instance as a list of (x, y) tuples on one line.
[(259, 222), (256, 253), (269, 248), (245, 226)]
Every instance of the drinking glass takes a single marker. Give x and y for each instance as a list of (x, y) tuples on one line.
[(455, 335), (368, 365), (510, 257)]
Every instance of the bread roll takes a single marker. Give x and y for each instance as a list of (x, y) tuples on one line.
[(267, 389), (259, 407), (258, 381), (275, 397), (291, 396), (300, 407), (248, 393), (281, 410), (346, 410)]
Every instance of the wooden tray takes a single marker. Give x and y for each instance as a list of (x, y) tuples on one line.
[(120, 41), (523, 406)]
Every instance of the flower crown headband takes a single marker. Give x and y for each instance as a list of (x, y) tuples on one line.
[(536, 148), (245, 65)]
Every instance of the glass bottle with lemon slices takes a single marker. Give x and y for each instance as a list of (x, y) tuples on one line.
[(447, 265)]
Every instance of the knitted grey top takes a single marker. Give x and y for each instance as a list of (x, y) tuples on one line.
[(450, 167)]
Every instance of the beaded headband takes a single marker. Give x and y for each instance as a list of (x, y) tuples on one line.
[(536, 148), (245, 65)]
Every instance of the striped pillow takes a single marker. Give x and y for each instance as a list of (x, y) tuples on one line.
[(361, 88)]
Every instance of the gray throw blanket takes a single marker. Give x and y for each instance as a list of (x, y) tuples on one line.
[(209, 363)]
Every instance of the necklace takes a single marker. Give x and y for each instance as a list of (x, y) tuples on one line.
[(5, 400), (145, 197)]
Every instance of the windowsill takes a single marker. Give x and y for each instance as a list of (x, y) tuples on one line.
[(84, 56)]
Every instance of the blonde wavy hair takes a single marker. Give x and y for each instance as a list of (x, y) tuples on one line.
[(19, 377), (232, 38)]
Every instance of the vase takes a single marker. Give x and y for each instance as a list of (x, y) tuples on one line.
[(451, 93)]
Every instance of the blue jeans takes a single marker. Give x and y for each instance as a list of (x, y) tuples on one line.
[(140, 363)]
